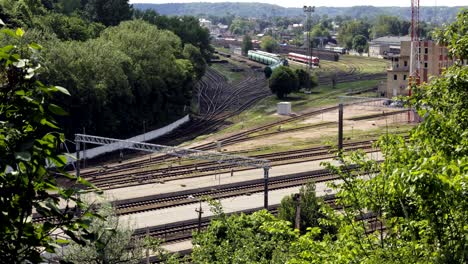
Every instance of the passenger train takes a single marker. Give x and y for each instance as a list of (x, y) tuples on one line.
[(304, 58)]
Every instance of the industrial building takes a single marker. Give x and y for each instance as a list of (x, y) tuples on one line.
[(433, 60), (386, 47)]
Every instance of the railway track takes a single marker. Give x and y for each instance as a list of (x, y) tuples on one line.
[(124, 178), (160, 201), (219, 100), (240, 137)]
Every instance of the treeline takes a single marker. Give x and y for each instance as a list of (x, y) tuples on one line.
[(439, 14), (125, 69)]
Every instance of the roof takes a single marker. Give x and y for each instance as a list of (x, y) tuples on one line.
[(390, 40)]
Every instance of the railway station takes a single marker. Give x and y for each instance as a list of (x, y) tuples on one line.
[(247, 137)]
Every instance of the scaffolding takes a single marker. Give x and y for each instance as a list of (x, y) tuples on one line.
[(176, 152)]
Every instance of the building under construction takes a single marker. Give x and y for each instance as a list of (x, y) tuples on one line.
[(433, 60)]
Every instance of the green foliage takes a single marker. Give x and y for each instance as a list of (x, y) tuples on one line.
[(318, 32), (350, 29), (283, 81), (29, 143), (193, 54), (187, 28), (419, 191), (455, 36), (20, 13), (140, 75), (255, 238), (241, 26), (108, 12), (304, 78), (269, 44), (68, 27), (390, 25), (359, 43), (273, 12), (310, 207), (112, 243), (246, 44)]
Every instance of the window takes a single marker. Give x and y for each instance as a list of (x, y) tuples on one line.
[(425, 65), (426, 50), (395, 77), (404, 77), (406, 63)]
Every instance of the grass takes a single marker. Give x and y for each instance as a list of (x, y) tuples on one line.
[(264, 111), (348, 63), (225, 70)]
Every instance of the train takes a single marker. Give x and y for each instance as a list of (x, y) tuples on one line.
[(338, 50), (272, 60), (304, 58)]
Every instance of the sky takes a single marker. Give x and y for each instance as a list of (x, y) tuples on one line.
[(300, 3)]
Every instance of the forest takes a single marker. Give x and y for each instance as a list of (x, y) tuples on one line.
[(263, 10), (123, 67)]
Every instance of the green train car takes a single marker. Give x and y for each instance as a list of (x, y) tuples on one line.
[(272, 60)]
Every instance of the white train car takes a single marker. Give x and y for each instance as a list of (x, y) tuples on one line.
[(304, 58)]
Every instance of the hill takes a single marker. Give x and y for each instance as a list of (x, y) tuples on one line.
[(261, 10)]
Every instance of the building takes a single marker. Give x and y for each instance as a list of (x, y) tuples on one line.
[(434, 59), (387, 46), (205, 23)]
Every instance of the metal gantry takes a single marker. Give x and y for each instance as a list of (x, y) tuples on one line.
[(177, 152)]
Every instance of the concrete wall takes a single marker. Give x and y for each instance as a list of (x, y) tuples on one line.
[(94, 152)]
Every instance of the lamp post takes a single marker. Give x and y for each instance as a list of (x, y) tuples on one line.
[(308, 11)]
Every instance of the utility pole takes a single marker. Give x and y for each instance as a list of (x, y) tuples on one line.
[(297, 199), (340, 127), (77, 167), (84, 150), (200, 212), (147, 249), (308, 11), (265, 193), (144, 130)]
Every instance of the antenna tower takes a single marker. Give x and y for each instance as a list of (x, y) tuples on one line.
[(415, 60)]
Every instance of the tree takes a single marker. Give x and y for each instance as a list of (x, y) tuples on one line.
[(304, 78), (390, 25), (68, 27), (29, 144), (317, 34), (283, 81), (187, 28), (142, 74), (108, 12), (113, 242), (255, 238), (349, 29), (246, 44), (268, 44), (240, 26), (310, 206), (359, 43), (193, 54)]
